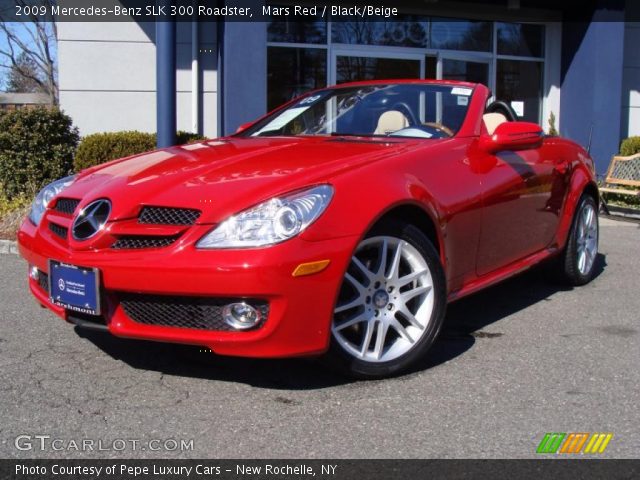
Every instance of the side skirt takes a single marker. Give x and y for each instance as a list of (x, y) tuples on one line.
[(502, 273)]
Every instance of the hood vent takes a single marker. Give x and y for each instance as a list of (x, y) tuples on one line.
[(168, 216), (59, 230), (66, 206), (136, 242)]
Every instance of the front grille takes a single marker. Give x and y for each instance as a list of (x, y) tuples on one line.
[(43, 281), (66, 205), (59, 230), (132, 242), (201, 313), (168, 216)]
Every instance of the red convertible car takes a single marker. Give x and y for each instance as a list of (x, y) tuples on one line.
[(340, 224)]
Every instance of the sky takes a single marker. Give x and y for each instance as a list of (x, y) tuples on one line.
[(22, 29)]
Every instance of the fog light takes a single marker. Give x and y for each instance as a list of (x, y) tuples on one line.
[(33, 272), (241, 315)]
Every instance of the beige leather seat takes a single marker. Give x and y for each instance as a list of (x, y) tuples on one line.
[(391, 121), (492, 120)]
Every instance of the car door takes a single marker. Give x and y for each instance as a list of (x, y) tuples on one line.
[(522, 197)]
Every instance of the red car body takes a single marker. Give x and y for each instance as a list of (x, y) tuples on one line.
[(489, 215)]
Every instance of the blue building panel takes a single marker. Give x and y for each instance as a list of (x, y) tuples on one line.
[(243, 92), (591, 88)]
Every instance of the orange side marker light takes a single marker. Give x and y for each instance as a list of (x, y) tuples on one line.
[(310, 268)]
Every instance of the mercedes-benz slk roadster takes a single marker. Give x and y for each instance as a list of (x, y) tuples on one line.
[(339, 225)]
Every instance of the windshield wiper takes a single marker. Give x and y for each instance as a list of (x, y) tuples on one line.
[(338, 134), (268, 133)]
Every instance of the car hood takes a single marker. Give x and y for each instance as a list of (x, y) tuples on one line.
[(222, 176)]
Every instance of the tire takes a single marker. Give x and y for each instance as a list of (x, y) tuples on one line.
[(577, 265), (391, 303)]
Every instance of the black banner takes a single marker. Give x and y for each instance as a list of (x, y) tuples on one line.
[(542, 469), (309, 10)]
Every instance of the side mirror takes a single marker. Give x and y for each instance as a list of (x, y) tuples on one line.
[(244, 126), (513, 136)]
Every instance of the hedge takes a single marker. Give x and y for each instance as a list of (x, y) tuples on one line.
[(183, 138), (36, 147), (99, 148), (12, 213), (630, 146)]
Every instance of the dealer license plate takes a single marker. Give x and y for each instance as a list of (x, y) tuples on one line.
[(75, 288)]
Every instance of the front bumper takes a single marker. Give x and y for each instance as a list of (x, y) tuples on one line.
[(300, 308)]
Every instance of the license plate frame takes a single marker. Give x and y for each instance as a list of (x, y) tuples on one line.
[(68, 287)]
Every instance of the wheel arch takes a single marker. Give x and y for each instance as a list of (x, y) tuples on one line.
[(415, 215), (592, 189), (340, 354), (581, 183)]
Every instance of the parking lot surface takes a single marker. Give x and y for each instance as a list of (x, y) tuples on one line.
[(521, 359)]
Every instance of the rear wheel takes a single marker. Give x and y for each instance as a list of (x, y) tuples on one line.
[(391, 303), (579, 259)]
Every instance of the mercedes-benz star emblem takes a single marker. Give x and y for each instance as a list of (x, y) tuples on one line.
[(91, 219)]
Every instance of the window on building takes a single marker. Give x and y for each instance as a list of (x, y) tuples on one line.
[(465, 71), (521, 39), (403, 31), (351, 69), (298, 32), (507, 57), (431, 67), (293, 71), (520, 83), (453, 34)]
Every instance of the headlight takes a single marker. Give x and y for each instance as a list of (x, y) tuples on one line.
[(45, 195), (273, 221)]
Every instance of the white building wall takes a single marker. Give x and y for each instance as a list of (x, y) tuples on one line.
[(108, 76)]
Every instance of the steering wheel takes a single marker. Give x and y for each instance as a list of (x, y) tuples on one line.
[(440, 127)]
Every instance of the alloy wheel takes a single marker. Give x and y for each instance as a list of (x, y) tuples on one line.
[(386, 300), (587, 239)]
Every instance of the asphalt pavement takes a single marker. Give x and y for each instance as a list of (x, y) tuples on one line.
[(521, 359)]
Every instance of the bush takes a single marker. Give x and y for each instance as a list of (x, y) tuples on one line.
[(10, 205), (36, 147), (188, 137), (630, 146), (553, 131), (99, 148), (12, 213)]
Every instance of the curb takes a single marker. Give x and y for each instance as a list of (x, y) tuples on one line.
[(8, 247)]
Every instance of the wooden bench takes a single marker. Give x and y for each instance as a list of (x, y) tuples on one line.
[(623, 172)]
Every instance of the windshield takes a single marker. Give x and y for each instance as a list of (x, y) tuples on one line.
[(395, 110)]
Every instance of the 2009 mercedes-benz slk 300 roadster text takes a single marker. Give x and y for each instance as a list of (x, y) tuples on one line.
[(340, 224)]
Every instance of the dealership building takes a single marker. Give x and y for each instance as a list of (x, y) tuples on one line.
[(210, 77)]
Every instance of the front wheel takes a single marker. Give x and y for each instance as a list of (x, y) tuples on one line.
[(391, 303), (579, 260)]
